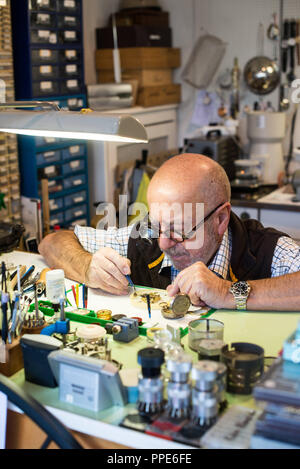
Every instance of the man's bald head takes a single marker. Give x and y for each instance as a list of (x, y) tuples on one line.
[(190, 178), (189, 195)]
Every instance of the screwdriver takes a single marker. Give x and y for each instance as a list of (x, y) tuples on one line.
[(130, 282)]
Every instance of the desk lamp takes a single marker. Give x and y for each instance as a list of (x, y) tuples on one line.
[(48, 120)]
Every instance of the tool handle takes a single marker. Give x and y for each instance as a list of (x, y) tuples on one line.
[(41, 282), (284, 51), (293, 34), (14, 281), (4, 329)]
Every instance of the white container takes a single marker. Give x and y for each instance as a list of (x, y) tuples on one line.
[(266, 131), (55, 285)]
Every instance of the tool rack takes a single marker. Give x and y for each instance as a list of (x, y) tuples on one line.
[(9, 167)]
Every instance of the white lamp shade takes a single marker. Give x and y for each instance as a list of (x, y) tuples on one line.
[(89, 125)]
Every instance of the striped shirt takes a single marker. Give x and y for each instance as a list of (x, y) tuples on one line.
[(286, 257)]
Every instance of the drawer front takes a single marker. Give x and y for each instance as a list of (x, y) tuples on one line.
[(288, 222), (246, 212), (56, 204), (48, 157), (68, 6), (39, 56), (57, 219), (43, 36), (42, 19), (76, 212), (74, 181), (71, 86), (42, 5), (44, 72), (45, 87), (70, 55), (42, 141), (66, 21), (73, 167), (77, 198), (73, 151)]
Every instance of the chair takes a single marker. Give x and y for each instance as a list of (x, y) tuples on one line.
[(54, 429)]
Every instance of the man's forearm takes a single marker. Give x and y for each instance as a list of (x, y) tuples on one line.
[(62, 250), (274, 294)]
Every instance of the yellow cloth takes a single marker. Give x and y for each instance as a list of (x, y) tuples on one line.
[(139, 212)]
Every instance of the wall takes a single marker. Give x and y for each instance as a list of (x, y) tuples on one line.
[(234, 21)]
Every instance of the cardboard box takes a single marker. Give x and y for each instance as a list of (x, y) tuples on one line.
[(144, 77), (134, 36), (133, 58), (147, 17), (159, 95)]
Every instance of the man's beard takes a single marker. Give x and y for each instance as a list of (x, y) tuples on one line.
[(182, 258)]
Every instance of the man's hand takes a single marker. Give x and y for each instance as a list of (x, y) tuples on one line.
[(107, 271), (203, 287)]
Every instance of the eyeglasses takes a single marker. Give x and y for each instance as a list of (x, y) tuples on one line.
[(181, 237)]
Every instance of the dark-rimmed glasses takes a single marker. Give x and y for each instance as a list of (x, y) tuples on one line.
[(181, 237)]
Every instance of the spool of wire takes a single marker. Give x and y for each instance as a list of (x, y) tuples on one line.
[(105, 314), (150, 387), (245, 365)]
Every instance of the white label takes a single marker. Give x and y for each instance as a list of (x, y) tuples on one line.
[(69, 3), (53, 38), (43, 33), (74, 149), (45, 69), (77, 200), (45, 53), (72, 102), (72, 83), (70, 54), (77, 182), (70, 34), (44, 3), (51, 183), (71, 68), (75, 164), (78, 213), (53, 204), (46, 85), (49, 154), (49, 140), (50, 170), (70, 19), (43, 18), (2, 3)]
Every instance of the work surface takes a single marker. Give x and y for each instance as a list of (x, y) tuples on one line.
[(267, 329)]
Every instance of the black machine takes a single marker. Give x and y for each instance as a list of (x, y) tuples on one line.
[(222, 149)]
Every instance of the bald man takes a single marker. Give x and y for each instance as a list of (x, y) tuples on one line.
[(201, 248)]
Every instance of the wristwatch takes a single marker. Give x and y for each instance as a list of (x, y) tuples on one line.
[(240, 291)]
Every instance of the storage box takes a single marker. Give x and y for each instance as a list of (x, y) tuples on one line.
[(134, 36), (133, 58), (141, 16), (144, 77), (159, 95)]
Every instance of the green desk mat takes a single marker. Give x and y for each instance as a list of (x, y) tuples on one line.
[(239, 326)]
